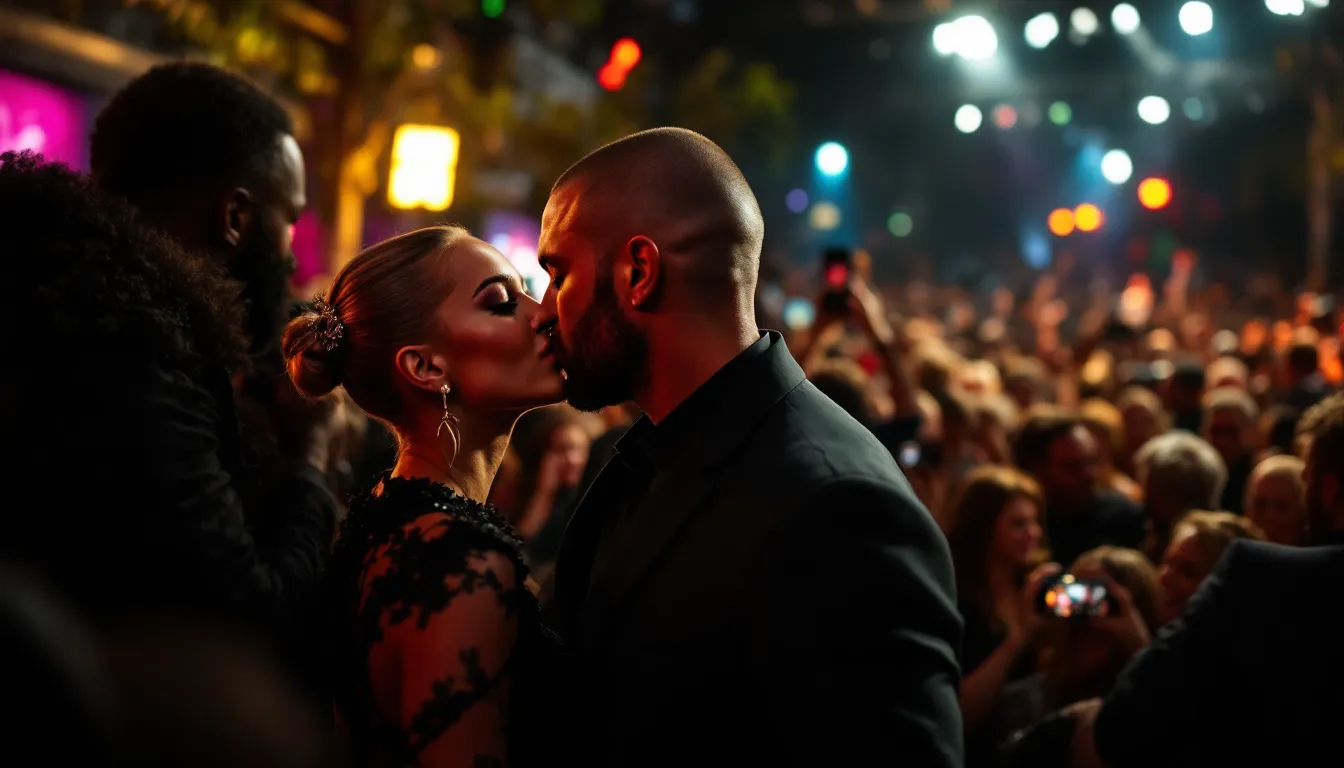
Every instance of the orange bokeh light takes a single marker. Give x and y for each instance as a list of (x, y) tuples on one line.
[(1061, 222), (1088, 217), (1154, 193), (626, 54)]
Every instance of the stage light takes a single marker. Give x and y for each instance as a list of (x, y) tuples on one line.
[(975, 38), (1154, 110), (1116, 166), (1005, 116), (1154, 193), (832, 159), (968, 118), (1060, 222), (1088, 218), (1196, 18), (901, 224), (1125, 19), (1060, 113), (796, 201), (1041, 30), (1286, 7), (1084, 21), (945, 39)]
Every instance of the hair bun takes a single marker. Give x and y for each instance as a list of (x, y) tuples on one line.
[(312, 356)]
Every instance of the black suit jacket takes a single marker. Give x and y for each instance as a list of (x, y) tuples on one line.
[(779, 597), (1251, 674)]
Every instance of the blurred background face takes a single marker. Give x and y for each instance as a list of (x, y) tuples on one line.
[(494, 354), (1017, 533), (570, 444), (1071, 469), (1184, 567), (1275, 503), (1141, 425), (1226, 432)]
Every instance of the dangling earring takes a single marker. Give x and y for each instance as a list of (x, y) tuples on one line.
[(449, 422)]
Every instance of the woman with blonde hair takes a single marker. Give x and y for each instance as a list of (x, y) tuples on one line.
[(439, 657)]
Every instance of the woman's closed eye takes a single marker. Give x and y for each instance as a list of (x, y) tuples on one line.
[(499, 300)]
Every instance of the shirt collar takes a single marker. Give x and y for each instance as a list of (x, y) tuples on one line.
[(659, 444)]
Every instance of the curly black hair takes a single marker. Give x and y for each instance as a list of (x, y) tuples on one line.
[(96, 299), (183, 125)]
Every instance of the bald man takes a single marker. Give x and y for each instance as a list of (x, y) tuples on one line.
[(750, 580)]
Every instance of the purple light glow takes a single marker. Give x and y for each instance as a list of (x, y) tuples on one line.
[(43, 118)]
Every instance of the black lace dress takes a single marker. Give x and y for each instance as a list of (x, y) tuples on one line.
[(407, 561)]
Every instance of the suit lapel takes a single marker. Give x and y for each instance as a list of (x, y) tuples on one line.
[(574, 561), (590, 600), (674, 499)]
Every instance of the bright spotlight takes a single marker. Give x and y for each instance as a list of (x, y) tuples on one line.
[(975, 38), (1154, 110), (1041, 30), (945, 39), (1196, 18), (968, 118), (832, 159), (1319, 3), (1116, 166), (1286, 7), (1084, 21), (1125, 19)]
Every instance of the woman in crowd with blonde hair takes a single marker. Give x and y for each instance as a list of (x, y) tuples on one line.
[(439, 653)]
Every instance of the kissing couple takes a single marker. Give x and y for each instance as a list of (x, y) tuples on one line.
[(750, 579)]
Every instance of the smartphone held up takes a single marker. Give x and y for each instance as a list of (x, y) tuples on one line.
[(837, 265), (1068, 597)]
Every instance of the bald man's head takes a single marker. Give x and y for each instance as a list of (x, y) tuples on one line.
[(646, 240), (684, 193)]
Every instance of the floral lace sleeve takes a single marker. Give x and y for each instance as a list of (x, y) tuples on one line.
[(441, 607)]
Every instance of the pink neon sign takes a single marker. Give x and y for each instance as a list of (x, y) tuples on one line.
[(43, 118)]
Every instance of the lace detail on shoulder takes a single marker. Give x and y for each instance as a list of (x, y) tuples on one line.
[(432, 585)]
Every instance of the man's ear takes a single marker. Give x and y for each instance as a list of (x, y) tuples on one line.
[(422, 368), (645, 271), (238, 211)]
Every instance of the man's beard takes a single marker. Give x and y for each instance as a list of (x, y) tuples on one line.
[(264, 274), (608, 355)]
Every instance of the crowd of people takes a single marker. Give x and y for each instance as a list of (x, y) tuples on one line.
[(427, 519)]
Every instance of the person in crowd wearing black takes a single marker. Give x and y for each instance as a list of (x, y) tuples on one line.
[(1303, 381), (1063, 456), (208, 158), (750, 580), (1251, 673), (439, 656), (150, 520)]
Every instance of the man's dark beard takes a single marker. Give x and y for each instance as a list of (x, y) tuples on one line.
[(264, 274), (607, 357)]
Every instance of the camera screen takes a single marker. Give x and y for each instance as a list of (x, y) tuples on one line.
[(1070, 598)]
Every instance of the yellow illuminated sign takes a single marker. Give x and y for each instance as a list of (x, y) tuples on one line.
[(424, 167)]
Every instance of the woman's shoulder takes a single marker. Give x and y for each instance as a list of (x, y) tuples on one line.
[(425, 522)]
